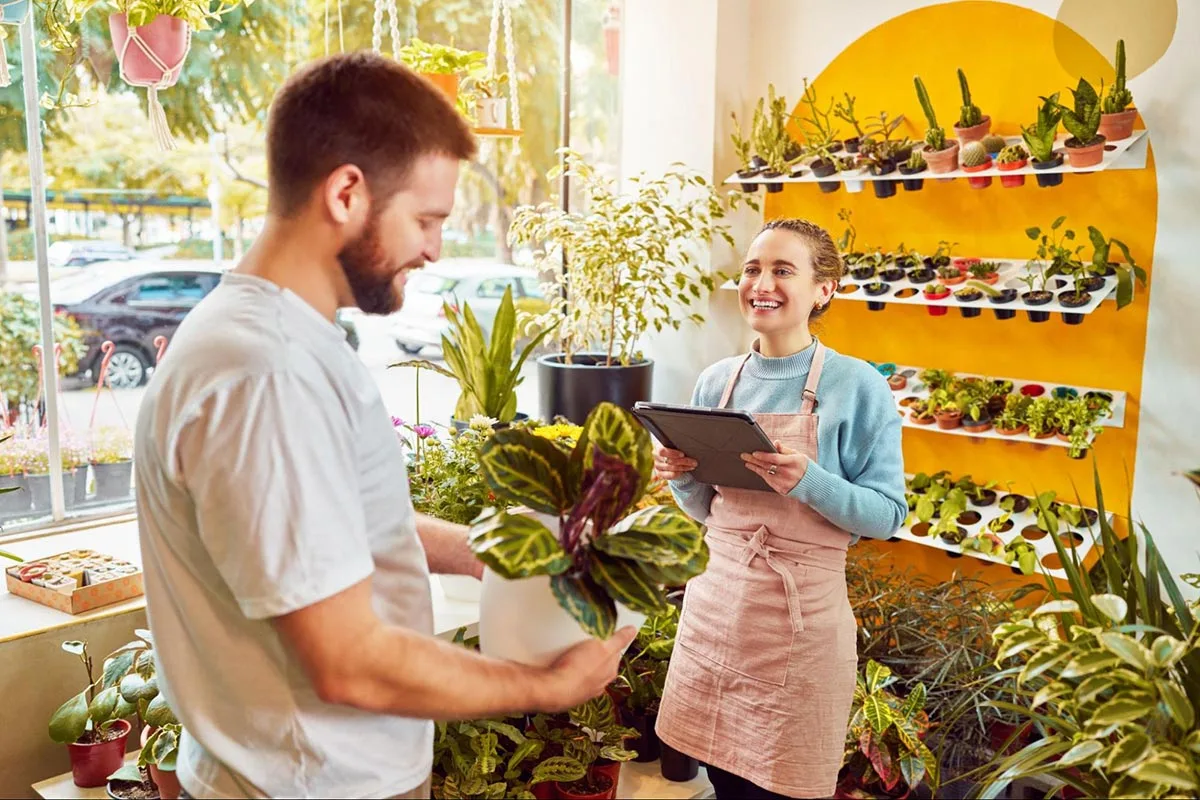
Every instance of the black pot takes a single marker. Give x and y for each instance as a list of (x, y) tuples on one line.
[(758, 163), (893, 274), (772, 175), (988, 497), (970, 311), (922, 275), (676, 766), (573, 390), (1092, 284), (745, 175), (875, 291), (1107, 272), (1021, 502), (852, 144), (912, 184), (1052, 178), (1039, 298), (823, 169), (1005, 296), (1071, 300), (461, 426), (14, 504), (646, 745), (884, 189), (114, 482), (863, 273)]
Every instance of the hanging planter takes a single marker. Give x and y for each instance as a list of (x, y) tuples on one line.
[(14, 13), (824, 169), (152, 56), (1002, 298)]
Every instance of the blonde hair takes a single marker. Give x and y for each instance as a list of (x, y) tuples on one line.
[(827, 262)]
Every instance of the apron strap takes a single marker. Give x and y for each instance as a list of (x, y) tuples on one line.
[(814, 377), (728, 394), (757, 546)]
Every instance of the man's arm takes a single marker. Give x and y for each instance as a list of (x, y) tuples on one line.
[(446, 547), (354, 659)]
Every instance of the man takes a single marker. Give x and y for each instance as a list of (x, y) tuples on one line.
[(286, 572)]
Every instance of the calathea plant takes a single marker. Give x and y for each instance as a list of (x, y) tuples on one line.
[(597, 556)]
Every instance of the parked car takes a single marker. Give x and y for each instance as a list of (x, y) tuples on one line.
[(88, 251), (478, 283)]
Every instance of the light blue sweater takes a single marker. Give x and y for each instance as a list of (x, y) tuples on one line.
[(857, 481)]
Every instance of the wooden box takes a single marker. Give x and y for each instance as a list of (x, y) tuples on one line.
[(106, 591)]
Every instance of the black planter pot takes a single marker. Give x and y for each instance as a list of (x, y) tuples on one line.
[(646, 745), (747, 174), (922, 275), (460, 426), (1070, 300), (884, 189), (1049, 179), (912, 184), (573, 390), (1108, 271), (758, 163), (970, 311), (875, 290), (852, 144), (773, 187), (113, 481), (1005, 296), (13, 504), (863, 273), (823, 169), (677, 767), (1093, 284), (1037, 299), (894, 274)]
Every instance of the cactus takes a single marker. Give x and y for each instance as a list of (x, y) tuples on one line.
[(970, 116), (1118, 98), (741, 145), (1012, 154), (993, 143), (845, 112), (974, 155), (935, 137), (916, 162)]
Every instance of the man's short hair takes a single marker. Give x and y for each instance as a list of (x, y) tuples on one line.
[(358, 108)]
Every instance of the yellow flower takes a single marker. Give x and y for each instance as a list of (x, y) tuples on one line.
[(559, 432)]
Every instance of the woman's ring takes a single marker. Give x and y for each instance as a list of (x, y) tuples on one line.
[(771, 470)]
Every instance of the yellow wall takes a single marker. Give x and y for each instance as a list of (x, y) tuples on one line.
[(1011, 56)]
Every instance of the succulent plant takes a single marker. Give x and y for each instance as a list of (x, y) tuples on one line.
[(993, 143), (1040, 136), (1012, 154), (935, 137), (970, 116), (916, 161), (974, 154), (1082, 121), (1118, 98)]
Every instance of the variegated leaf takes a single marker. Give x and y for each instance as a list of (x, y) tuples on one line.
[(1047, 658), (1166, 772), (680, 574), (617, 433), (1178, 705), (525, 470), (587, 603), (1088, 664), (1093, 687), (158, 713), (1167, 650), (878, 713), (1083, 752), (1128, 649), (661, 535), (628, 584), (1128, 752), (1112, 606), (559, 769), (517, 546), (1120, 711), (70, 720)]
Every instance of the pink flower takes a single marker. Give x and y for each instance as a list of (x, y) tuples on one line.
[(423, 431), (397, 422)]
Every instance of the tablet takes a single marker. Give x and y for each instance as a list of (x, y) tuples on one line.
[(714, 437)]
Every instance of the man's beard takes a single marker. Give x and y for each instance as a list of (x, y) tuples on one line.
[(371, 273)]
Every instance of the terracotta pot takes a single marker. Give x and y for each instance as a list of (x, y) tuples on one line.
[(91, 764), (1090, 156), (544, 791), (974, 133), (948, 420), (897, 382), (983, 182), (447, 84), (565, 793), (167, 37), (1115, 127), (167, 783), (921, 420), (609, 769), (977, 426), (1044, 435), (991, 278), (942, 161), (964, 263), (954, 281), (1012, 181)]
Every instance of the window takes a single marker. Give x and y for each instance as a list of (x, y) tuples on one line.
[(494, 288), (427, 283), (173, 290)]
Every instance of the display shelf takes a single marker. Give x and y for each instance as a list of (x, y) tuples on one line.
[(1126, 154), (1024, 525), (497, 133)]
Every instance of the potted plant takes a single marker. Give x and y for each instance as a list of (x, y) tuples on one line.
[(941, 154), (879, 156), (92, 725), (946, 409), (1085, 148), (491, 106), (1034, 277), (36, 467), (969, 294), (976, 418), (987, 272), (876, 289), (885, 751), (160, 750), (821, 139), (1075, 297), (973, 125), (771, 139), (573, 563), (1117, 116), (951, 276), (1039, 417), (14, 491), (845, 112), (1011, 421), (976, 159), (644, 675), (941, 256), (914, 166), (1012, 157), (749, 169), (632, 261), (445, 67), (1040, 138), (1126, 272), (936, 291), (993, 144), (112, 463)]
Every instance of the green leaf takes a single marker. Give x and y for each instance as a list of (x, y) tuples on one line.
[(103, 706), (1165, 772), (878, 676), (1093, 687), (1057, 607), (124, 709), (1127, 649), (159, 714), (617, 433), (75, 648), (1192, 742), (118, 666), (587, 603), (1081, 753), (661, 535), (628, 584), (134, 688), (1178, 705), (682, 573), (166, 749), (70, 720), (878, 713), (1167, 651), (1088, 664), (128, 772), (1051, 691), (913, 769), (1045, 659), (517, 546), (1128, 752), (915, 702), (1120, 711), (559, 769), (525, 470), (1112, 606)]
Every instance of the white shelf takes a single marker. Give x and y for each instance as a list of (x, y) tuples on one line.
[(1126, 154), (1080, 538)]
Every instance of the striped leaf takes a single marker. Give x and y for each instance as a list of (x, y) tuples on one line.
[(661, 535), (517, 546), (587, 603), (616, 433), (525, 470), (628, 584), (559, 769), (609, 488), (679, 574)]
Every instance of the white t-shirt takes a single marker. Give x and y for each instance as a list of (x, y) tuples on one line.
[(269, 478)]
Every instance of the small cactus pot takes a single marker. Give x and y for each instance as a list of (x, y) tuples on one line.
[(852, 144), (981, 182), (1084, 156), (824, 169), (1012, 181), (911, 183), (772, 175), (975, 133), (1119, 126), (884, 189), (747, 175), (942, 161), (1049, 179)]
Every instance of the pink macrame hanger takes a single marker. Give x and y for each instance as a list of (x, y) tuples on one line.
[(108, 348), (160, 347), (62, 403)]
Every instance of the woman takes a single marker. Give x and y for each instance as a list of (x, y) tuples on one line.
[(762, 677)]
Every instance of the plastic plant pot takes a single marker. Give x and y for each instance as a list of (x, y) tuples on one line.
[(1012, 181), (940, 294), (825, 169), (772, 175), (1070, 299), (876, 289), (910, 182), (1049, 179), (981, 182), (969, 296), (1084, 156), (1039, 298), (884, 189)]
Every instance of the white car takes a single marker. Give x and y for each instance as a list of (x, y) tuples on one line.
[(477, 283), (84, 252)]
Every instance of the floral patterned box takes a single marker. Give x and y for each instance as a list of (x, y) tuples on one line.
[(56, 580)]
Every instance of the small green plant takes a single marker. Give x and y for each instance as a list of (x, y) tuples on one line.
[(1039, 416), (1019, 551), (741, 145), (1126, 272), (820, 134), (769, 133), (974, 155), (1040, 136), (1118, 97), (970, 115), (1016, 409), (844, 110), (850, 234), (983, 270), (126, 687), (935, 136), (916, 161), (111, 445), (438, 59), (1082, 120), (1053, 250), (1012, 154)]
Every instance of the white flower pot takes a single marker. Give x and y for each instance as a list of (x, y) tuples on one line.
[(460, 588), (522, 620), (492, 112)]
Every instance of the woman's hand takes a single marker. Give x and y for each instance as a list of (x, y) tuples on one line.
[(782, 470), (671, 465)]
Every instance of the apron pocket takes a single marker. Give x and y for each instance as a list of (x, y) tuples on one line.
[(735, 616)]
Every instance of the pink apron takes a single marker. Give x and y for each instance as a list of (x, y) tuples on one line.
[(762, 678)]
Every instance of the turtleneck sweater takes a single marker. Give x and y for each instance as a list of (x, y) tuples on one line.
[(857, 479)]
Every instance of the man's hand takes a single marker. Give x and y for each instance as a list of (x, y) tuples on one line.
[(446, 547), (585, 671), (782, 470)]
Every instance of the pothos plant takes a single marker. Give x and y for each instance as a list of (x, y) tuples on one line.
[(630, 263), (597, 556), (62, 16)]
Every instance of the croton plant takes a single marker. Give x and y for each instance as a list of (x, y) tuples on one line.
[(603, 549)]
